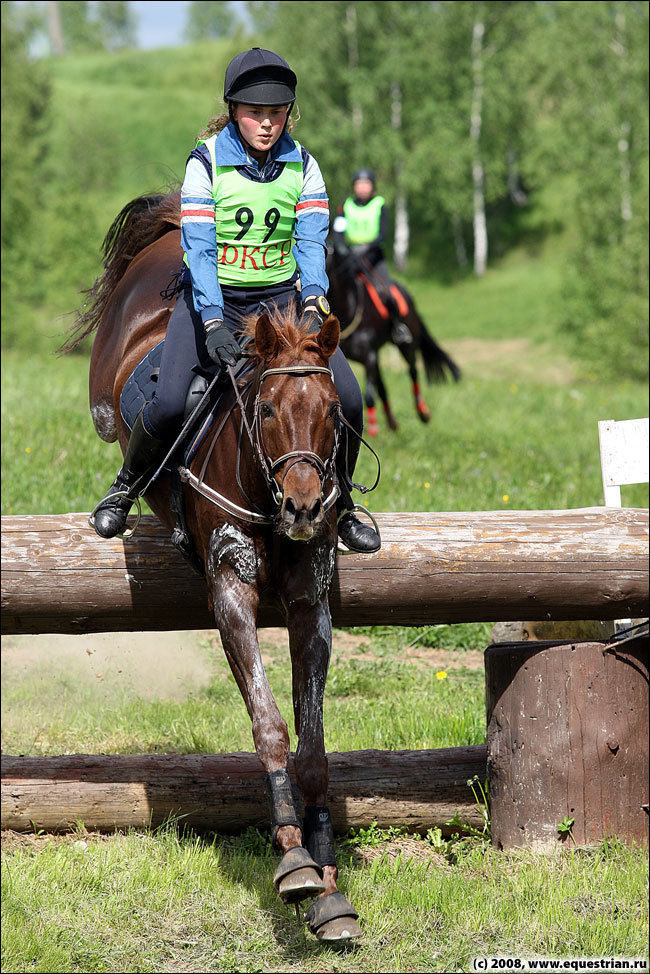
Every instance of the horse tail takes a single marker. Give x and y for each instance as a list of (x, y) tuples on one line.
[(436, 361), (141, 222)]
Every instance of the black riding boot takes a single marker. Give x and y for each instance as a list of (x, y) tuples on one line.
[(354, 534), (142, 453)]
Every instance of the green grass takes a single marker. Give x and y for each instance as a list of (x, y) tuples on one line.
[(164, 902), (511, 441), (379, 699)]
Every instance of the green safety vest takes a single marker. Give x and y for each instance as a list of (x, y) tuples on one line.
[(362, 222), (254, 223)]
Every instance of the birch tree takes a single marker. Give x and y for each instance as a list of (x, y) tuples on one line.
[(597, 132)]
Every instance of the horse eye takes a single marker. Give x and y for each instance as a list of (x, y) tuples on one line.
[(332, 412), (266, 409)]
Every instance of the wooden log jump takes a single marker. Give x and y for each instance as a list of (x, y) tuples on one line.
[(487, 566), (226, 792), (567, 740)]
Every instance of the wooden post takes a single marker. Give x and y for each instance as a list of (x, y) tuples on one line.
[(567, 739)]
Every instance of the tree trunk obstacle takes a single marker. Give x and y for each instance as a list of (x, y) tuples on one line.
[(226, 792), (487, 566), (567, 737), (567, 742)]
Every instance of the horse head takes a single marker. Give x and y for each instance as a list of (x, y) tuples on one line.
[(296, 420)]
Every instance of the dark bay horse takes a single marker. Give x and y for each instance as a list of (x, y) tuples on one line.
[(259, 499), (366, 325)]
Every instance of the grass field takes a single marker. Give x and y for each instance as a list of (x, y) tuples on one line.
[(519, 431), (169, 900)]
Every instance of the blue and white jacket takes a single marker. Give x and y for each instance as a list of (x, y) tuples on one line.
[(198, 233)]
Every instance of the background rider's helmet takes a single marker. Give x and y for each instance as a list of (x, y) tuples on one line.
[(364, 173), (259, 77)]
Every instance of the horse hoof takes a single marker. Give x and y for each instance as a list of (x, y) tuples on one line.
[(298, 876), (299, 885), (332, 918), (341, 929), (424, 413)]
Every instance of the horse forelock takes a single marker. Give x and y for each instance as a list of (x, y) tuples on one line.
[(293, 335)]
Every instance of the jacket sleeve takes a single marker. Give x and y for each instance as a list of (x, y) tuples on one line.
[(199, 238), (311, 229)]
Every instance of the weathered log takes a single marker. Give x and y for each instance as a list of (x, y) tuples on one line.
[(568, 740), (226, 792), (58, 576)]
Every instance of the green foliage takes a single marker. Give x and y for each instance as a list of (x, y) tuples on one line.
[(596, 125), (210, 19), (25, 93), (564, 125), (565, 828), (117, 23)]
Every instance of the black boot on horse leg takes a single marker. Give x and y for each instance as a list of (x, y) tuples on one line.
[(354, 534), (331, 917), (142, 453), (298, 876)]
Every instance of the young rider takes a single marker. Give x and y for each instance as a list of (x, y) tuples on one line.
[(361, 226), (254, 222)]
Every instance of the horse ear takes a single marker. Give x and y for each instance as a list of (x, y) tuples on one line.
[(328, 336), (266, 338)]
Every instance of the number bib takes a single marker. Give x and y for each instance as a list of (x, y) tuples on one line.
[(255, 224)]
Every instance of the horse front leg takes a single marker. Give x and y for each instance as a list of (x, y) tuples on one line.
[(235, 603), (331, 917)]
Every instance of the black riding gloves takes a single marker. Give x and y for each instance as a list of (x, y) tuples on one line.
[(315, 310), (222, 346)]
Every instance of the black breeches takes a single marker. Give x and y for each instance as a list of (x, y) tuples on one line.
[(184, 350)]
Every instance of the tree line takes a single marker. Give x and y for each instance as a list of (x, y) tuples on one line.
[(489, 124)]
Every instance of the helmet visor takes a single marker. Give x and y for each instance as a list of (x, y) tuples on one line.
[(263, 93)]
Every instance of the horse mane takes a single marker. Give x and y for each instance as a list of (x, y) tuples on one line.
[(140, 223), (293, 334)]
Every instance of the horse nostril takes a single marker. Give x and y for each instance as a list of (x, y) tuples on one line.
[(289, 509), (315, 509)]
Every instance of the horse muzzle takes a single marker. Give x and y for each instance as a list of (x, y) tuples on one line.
[(300, 519)]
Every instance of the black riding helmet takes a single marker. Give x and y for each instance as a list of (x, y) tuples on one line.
[(364, 174), (259, 77)]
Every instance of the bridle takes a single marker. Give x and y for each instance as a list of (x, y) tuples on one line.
[(269, 467)]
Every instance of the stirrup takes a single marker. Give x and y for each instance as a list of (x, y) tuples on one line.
[(119, 493), (351, 510)]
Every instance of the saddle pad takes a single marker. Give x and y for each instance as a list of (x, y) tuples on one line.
[(140, 385)]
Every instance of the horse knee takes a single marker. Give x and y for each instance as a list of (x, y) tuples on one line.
[(271, 739)]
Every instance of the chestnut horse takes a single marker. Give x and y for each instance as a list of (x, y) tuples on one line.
[(356, 299), (259, 498)]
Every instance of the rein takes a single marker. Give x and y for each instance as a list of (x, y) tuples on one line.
[(268, 466)]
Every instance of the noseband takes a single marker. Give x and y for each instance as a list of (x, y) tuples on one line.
[(325, 468), (269, 467)]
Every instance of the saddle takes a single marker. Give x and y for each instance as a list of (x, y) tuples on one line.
[(138, 389), (381, 301)]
